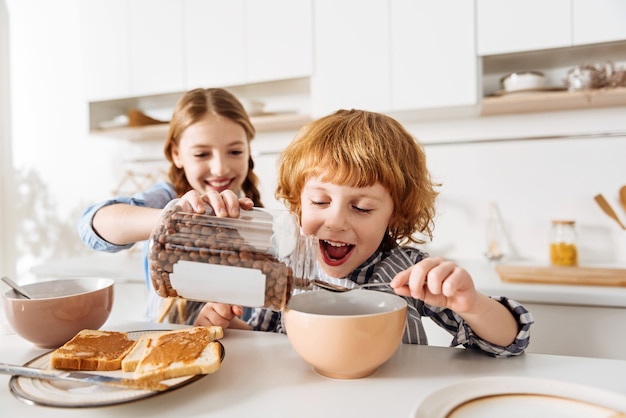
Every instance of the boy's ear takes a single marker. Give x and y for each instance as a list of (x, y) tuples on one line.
[(393, 220)]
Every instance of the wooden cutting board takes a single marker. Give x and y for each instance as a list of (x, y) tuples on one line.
[(585, 276)]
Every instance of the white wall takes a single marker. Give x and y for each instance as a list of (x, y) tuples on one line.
[(7, 253), (60, 170)]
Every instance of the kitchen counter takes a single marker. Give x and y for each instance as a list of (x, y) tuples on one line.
[(262, 375), (488, 282)]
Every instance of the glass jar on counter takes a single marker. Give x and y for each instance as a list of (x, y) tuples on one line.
[(257, 260), (563, 243)]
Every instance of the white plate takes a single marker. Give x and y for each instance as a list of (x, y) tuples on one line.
[(514, 396), (64, 394)]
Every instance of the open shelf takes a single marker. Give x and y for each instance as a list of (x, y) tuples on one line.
[(528, 102), (269, 122)]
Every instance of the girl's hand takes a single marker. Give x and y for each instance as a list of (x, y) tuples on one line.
[(224, 204), (437, 282), (218, 314)]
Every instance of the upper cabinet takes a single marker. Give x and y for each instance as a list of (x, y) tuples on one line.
[(503, 27), (150, 47), (396, 56), (279, 40), (433, 54), (105, 26), (131, 48), (392, 55), (241, 41), (352, 67), (156, 47), (215, 42), (597, 21)]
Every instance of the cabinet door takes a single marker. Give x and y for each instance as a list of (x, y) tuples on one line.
[(156, 46), (599, 21), (511, 26), (278, 39), (214, 36), (433, 57), (351, 49), (104, 42)]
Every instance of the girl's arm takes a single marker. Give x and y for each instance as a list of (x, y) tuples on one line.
[(123, 224)]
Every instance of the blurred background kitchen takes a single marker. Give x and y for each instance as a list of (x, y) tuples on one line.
[(74, 71)]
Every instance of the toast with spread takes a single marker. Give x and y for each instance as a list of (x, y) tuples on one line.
[(154, 356), (93, 350), (181, 353)]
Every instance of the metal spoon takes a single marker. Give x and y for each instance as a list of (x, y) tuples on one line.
[(338, 288), (606, 208), (19, 289)]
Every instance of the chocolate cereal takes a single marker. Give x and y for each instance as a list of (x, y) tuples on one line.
[(206, 239)]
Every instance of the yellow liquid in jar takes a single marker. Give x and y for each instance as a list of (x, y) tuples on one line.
[(563, 254)]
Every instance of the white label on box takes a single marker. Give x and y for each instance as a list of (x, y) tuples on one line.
[(218, 283)]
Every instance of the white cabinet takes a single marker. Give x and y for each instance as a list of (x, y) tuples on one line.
[(214, 35), (393, 55), (241, 42), (352, 66), (598, 21), (433, 54), (508, 26), (279, 36), (156, 47), (505, 26), (104, 41), (140, 48), (131, 48)]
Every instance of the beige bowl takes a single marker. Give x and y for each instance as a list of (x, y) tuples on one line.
[(345, 335), (59, 309)]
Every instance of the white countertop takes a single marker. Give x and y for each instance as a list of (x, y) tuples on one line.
[(262, 376), (488, 282)]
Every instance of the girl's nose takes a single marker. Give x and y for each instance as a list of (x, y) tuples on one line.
[(218, 165)]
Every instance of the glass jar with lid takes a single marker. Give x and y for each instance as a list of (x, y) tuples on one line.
[(563, 243), (257, 260)]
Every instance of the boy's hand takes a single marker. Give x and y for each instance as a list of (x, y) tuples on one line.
[(437, 282)]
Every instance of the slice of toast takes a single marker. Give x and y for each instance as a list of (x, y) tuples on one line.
[(93, 350), (129, 363), (182, 352)]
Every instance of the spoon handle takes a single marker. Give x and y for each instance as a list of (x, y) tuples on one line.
[(606, 208), (16, 287)]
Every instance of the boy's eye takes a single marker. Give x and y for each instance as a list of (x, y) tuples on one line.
[(318, 203)]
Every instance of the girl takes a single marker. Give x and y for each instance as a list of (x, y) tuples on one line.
[(359, 182), (208, 146)]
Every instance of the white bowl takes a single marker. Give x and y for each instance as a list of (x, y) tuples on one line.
[(523, 81), (345, 335)]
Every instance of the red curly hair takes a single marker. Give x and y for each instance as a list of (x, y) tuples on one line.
[(358, 149)]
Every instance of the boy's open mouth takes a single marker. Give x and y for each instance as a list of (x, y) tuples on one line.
[(335, 252)]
